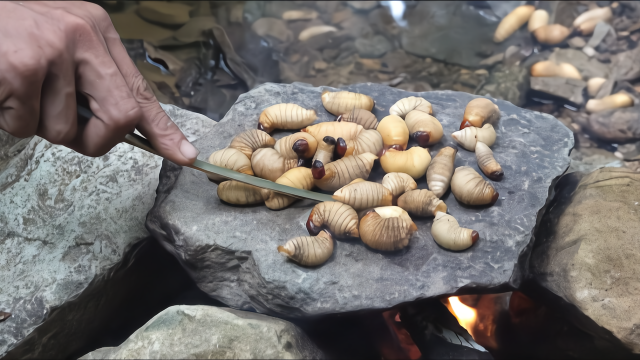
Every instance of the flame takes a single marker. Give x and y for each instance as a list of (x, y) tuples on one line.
[(466, 315), (479, 320)]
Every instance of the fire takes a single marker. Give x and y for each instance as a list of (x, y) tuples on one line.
[(478, 315), (466, 315)]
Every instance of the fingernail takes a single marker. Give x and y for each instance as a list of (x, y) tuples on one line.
[(189, 151)]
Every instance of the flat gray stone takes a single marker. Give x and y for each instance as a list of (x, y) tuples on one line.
[(455, 32), (207, 332), (231, 251), (568, 89), (587, 253), (617, 125), (374, 47), (65, 219)]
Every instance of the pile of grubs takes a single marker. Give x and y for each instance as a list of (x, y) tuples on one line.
[(341, 155)]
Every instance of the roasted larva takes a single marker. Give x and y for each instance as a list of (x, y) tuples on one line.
[(487, 162), (341, 102), (299, 178), (479, 111), (468, 136), (296, 146), (309, 250), (361, 194), (231, 159), (425, 129), (285, 116), (440, 171), (268, 164), (471, 189), (341, 172), (237, 193), (412, 103), (421, 203), (341, 220), (249, 141), (362, 117), (387, 228), (447, 233), (413, 161)]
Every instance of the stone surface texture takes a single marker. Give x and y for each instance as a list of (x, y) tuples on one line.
[(568, 89), (614, 125), (231, 251), (66, 218), (454, 32), (588, 250), (208, 332)]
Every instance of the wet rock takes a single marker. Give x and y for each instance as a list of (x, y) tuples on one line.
[(576, 42), (492, 60), (626, 65), (588, 67), (568, 89), (362, 5), (507, 83), (618, 125), (65, 220), (272, 27), (164, 12), (455, 32), (207, 332), (231, 251), (585, 252), (374, 47)]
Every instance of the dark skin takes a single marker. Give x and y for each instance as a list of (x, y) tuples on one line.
[(51, 50)]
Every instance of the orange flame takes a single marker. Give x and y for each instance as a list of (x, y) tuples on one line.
[(466, 315), (478, 321)]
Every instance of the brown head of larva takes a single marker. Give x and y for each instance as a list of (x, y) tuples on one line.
[(422, 138), (496, 175), (300, 147), (494, 198), (317, 170), (465, 124), (474, 236), (261, 127), (311, 227), (340, 150)]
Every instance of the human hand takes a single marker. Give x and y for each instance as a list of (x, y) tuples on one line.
[(51, 50)]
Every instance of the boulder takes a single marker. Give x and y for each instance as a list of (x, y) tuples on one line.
[(565, 88), (374, 47), (618, 125), (509, 83), (455, 32), (208, 332), (587, 252), (588, 67), (231, 251), (65, 219)]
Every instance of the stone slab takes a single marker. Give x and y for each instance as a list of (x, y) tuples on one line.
[(65, 220), (231, 251)]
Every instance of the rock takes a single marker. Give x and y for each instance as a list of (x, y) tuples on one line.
[(586, 252), (362, 5), (374, 47), (588, 67), (576, 42), (164, 12), (618, 125), (509, 83), (568, 89), (455, 32), (65, 219), (208, 332), (492, 60), (231, 251), (272, 27), (626, 65)]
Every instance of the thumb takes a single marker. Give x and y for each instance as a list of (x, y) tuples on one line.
[(165, 136)]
